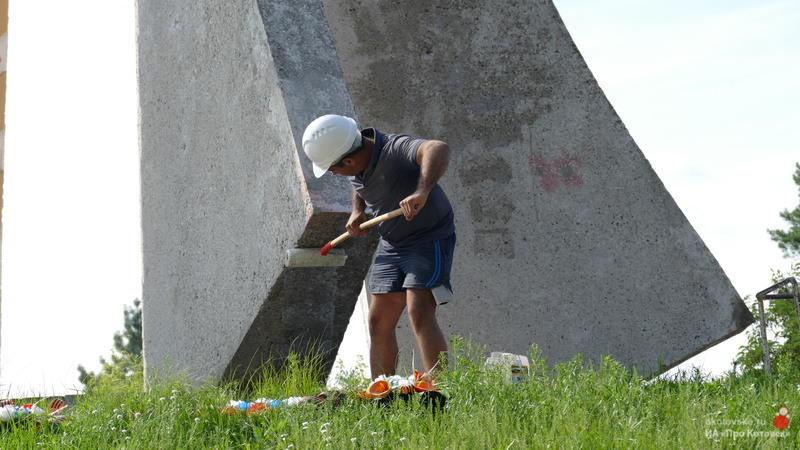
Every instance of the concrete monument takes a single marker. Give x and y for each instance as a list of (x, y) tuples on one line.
[(566, 237)]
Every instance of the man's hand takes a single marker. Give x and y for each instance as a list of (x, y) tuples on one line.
[(353, 223), (413, 204)]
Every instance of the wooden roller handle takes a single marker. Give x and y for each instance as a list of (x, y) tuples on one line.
[(382, 218)]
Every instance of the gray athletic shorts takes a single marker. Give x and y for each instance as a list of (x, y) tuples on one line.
[(418, 266)]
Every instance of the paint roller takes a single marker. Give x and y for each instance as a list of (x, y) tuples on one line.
[(328, 256)]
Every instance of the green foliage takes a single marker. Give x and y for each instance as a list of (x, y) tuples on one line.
[(780, 316), (351, 379), (789, 240), (575, 404), (126, 357), (783, 332)]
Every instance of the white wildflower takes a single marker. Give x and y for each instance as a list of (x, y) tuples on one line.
[(294, 401)]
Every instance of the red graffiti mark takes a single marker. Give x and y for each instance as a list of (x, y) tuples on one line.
[(565, 169), (544, 170)]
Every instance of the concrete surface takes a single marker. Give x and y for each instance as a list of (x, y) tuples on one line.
[(3, 80), (226, 89), (567, 239)]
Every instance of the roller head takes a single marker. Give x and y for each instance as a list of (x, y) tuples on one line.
[(325, 249), (309, 257)]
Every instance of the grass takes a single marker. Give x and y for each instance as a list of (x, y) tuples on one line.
[(571, 405)]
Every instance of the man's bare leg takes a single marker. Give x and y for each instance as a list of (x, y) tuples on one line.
[(384, 312), (422, 315)]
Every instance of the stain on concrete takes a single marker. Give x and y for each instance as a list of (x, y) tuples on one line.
[(463, 75), (491, 167), (489, 209)]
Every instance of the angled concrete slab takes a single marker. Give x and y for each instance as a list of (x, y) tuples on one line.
[(567, 238), (226, 90)]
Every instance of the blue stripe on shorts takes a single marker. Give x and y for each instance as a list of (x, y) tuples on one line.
[(438, 265), (418, 266)]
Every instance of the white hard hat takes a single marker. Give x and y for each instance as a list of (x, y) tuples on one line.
[(328, 138)]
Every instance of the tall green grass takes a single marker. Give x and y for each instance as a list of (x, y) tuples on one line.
[(571, 405)]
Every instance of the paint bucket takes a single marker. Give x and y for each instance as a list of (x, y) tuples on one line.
[(517, 364)]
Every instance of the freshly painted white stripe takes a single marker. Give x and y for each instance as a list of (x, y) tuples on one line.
[(3, 51)]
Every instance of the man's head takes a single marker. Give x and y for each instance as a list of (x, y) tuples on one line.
[(330, 142)]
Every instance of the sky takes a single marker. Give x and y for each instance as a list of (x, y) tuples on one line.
[(708, 89)]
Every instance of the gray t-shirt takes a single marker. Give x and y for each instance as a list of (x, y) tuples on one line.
[(391, 176)]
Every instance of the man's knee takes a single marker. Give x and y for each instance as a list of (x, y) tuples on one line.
[(380, 327), (384, 313), (421, 308)]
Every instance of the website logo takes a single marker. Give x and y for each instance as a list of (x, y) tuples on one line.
[(781, 421)]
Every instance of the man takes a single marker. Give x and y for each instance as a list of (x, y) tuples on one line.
[(412, 263)]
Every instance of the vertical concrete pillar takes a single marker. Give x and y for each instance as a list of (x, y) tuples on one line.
[(3, 60), (226, 90)]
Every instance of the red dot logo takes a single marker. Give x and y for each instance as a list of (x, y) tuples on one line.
[(781, 421)]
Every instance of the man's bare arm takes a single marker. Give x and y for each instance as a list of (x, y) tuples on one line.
[(357, 216), (433, 158)]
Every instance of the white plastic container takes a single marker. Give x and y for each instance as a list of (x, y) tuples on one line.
[(517, 364)]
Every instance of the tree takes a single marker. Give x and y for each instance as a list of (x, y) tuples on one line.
[(126, 357), (780, 315), (789, 240)]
